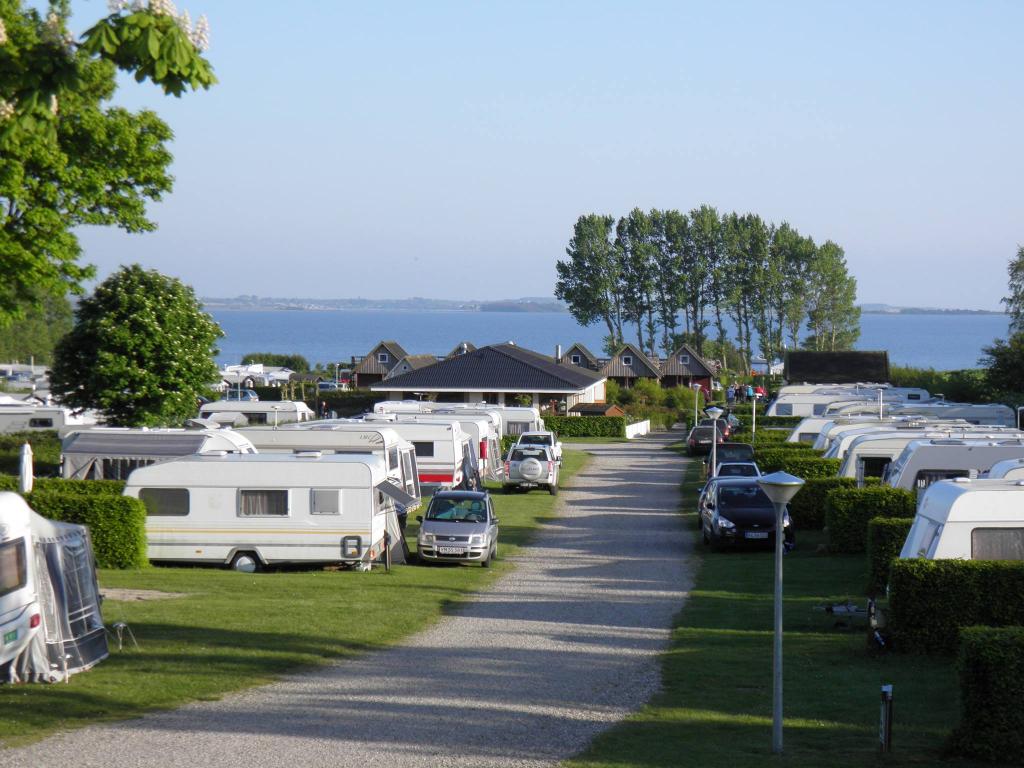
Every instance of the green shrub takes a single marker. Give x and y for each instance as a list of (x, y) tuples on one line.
[(930, 600), (586, 426), (343, 402), (763, 437), (45, 451), (848, 510), (991, 666), (648, 392), (886, 536), (796, 461), (75, 487), (117, 524), (807, 509)]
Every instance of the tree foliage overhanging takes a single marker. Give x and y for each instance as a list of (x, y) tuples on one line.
[(1004, 360), (648, 268), (141, 351)]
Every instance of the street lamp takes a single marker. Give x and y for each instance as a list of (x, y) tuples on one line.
[(753, 418), (276, 409), (780, 487), (714, 412), (696, 392)]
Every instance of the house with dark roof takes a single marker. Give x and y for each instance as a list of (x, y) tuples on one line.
[(410, 363), (628, 365), (499, 373), (375, 366), (685, 367), (579, 355)]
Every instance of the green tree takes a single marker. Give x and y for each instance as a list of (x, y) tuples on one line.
[(35, 334), (1014, 303), (832, 315), (66, 158), (1004, 360), (709, 257), (141, 351), (589, 280), (635, 240)]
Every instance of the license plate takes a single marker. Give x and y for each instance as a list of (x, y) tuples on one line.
[(756, 535), (452, 550), (10, 637)]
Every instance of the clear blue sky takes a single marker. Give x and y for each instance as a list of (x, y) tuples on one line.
[(445, 149)]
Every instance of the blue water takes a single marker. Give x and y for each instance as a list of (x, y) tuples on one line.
[(944, 342)]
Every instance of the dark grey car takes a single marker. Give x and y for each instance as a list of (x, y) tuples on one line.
[(459, 526)]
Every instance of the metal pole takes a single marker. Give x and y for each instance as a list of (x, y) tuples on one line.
[(780, 513), (695, 391), (753, 413)]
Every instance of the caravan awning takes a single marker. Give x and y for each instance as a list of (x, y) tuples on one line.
[(398, 494)]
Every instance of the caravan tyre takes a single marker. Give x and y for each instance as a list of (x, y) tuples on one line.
[(245, 562)]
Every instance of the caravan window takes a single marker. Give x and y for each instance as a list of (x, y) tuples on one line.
[(874, 466), (325, 502), (13, 574), (819, 408), (997, 544), (262, 503), (256, 418), (393, 458), (928, 476), (784, 409), (424, 449), (517, 427), (40, 423), (165, 502)]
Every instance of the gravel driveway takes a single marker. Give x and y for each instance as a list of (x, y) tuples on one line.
[(524, 675)]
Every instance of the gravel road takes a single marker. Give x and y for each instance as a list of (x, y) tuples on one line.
[(526, 674)]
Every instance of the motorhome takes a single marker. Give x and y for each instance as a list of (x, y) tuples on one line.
[(241, 413), (49, 598), (344, 437), (22, 416), (250, 511), (1010, 469), (112, 453), (969, 519), (924, 462)]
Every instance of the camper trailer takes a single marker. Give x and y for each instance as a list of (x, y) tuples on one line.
[(242, 413), (484, 439), (1010, 469), (335, 437), (514, 419), (969, 519), (923, 429), (112, 453), (49, 598), (444, 454), (21, 416), (924, 462), (249, 511)]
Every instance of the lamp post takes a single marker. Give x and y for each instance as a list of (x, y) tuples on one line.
[(753, 417), (276, 409), (696, 391), (780, 487), (337, 381), (714, 412)]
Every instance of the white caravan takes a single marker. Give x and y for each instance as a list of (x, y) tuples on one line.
[(247, 511), (20, 416), (514, 419), (241, 413), (112, 453), (484, 439), (990, 414), (924, 462), (1010, 469), (969, 519), (840, 443), (336, 437)]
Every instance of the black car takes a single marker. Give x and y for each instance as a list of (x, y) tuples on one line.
[(730, 452), (737, 512), (699, 439)]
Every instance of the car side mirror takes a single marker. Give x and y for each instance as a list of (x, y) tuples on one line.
[(419, 518)]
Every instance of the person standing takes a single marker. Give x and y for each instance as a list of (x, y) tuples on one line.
[(750, 393), (730, 395)]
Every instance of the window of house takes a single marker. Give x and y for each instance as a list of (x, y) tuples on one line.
[(997, 544), (325, 502), (424, 449), (40, 423), (382, 357), (165, 502), (575, 359), (684, 359), (262, 503), (627, 360)]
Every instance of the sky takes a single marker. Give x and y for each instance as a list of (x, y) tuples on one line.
[(445, 149)]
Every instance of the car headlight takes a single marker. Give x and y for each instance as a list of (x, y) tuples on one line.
[(478, 539), (725, 523), (427, 538)]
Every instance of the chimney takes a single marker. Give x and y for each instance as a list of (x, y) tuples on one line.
[(558, 353)]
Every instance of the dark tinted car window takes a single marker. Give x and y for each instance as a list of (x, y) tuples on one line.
[(743, 497)]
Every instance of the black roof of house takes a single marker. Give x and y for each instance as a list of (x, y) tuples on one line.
[(495, 367), (836, 367)]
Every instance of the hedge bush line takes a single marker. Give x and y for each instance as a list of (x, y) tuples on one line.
[(74, 487), (991, 667), (45, 451), (117, 524), (807, 508), (800, 463), (766, 438), (586, 426), (848, 511), (886, 536), (930, 600)]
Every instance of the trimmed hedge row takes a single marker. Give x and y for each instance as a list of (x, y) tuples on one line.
[(930, 600), (848, 511), (586, 426), (886, 537), (763, 437), (807, 508), (799, 463), (59, 485), (991, 667)]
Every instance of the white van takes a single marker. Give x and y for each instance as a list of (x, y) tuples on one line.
[(112, 453), (247, 511), (241, 413), (341, 437), (924, 462), (969, 519)]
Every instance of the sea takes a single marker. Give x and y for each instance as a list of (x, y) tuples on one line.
[(942, 341)]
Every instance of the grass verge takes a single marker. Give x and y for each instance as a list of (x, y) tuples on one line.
[(715, 705), (230, 631)]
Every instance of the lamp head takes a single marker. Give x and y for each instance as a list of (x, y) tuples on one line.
[(714, 412), (780, 487)]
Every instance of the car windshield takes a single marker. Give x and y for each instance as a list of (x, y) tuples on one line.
[(522, 454), (735, 452), (744, 497), (737, 470), (535, 440), (702, 432), (458, 510)]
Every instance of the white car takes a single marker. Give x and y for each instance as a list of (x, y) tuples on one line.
[(549, 439), (530, 466)]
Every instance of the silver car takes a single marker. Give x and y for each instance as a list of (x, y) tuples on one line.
[(459, 526), (530, 466)]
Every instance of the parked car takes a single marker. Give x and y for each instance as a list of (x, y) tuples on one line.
[(738, 469), (530, 466), (737, 512), (730, 452), (699, 439), (721, 422), (550, 439), (459, 526), (332, 386), (247, 395)]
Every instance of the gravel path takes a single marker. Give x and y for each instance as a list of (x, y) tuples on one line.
[(526, 674)]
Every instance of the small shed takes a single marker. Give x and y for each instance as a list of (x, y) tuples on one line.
[(596, 409)]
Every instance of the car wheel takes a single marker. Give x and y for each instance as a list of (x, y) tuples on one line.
[(704, 534), (245, 562), (507, 488), (486, 562), (553, 490)]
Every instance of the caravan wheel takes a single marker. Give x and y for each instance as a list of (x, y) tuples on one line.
[(245, 562)]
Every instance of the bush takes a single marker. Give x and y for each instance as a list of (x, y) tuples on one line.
[(586, 426), (117, 524), (930, 600), (801, 462), (45, 451), (73, 487), (991, 667), (886, 536), (766, 438), (343, 402), (807, 509), (848, 511), (648, 392)]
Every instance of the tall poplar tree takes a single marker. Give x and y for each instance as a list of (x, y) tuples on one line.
[(590, 280)]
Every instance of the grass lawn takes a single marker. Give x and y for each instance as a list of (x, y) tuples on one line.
[(715, 707), (233, 630)]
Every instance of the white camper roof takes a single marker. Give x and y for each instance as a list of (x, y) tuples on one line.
[(1007, 468), (325, 435), (964, 500), (256, 406)]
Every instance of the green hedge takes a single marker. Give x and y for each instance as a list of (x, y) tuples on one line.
[(763, 437), (886, 536), (848, 511), (807, 509), (343, 402), (45, 451), (800, 463), (586, 426), (58, 485), (117, 524), (991, 666), (930, 600)]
